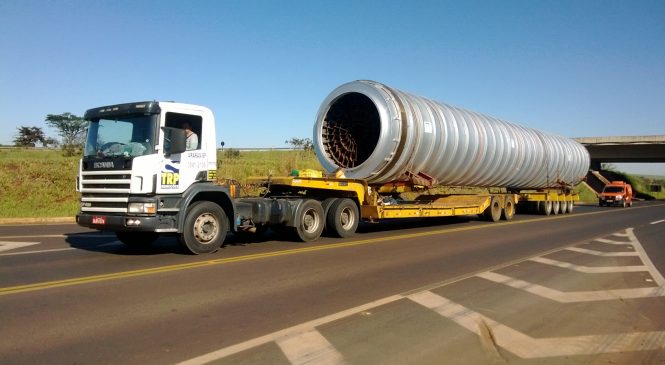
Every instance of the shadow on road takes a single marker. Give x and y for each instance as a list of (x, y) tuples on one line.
[(106, 241)]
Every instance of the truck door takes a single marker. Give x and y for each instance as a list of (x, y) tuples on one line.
[(179, 171)]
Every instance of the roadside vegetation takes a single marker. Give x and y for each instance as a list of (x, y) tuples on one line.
[(41, 182), (37, 183)]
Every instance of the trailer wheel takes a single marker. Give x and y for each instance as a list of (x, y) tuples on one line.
[(563, 207), (137, 239), (205, 228), (555, 207), (493, 212), (309, 220), (545, 207), (342, 218), (570, 206), (508, 209)]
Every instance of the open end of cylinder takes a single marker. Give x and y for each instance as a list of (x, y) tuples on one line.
[(351, 129)]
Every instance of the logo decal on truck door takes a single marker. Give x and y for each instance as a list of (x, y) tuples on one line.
[(170, 177)]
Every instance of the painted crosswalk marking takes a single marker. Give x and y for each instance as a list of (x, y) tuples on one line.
[(601, 253), (528, 347), (309, 348), (572, 297), (588, 269)]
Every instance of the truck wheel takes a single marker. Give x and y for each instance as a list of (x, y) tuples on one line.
[(508, 210), (309, 220), (342, 218), (571, 204), (623, 203), (493, 212), (205, 228), (546, 207), (563, 207), (555, 207), (137, 239)]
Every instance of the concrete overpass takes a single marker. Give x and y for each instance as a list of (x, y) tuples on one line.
[(624, 149)]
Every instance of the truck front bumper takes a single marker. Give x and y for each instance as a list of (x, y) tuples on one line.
[(127, 222)]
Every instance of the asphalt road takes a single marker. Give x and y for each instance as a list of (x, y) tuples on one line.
[(581, 288)]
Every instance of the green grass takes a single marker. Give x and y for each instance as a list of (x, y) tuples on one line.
[(42, 183), (586, 195), (263, 163), (37, 183)]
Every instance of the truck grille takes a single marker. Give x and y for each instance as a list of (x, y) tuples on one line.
[(105, 191)]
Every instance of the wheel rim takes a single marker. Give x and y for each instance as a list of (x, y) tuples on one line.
[(310, 221), (347, 218), (206, 228)]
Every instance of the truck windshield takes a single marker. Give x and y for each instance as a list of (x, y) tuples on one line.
[(613, 189), (127, 136)]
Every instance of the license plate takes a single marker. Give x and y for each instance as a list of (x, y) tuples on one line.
[(98, 220)]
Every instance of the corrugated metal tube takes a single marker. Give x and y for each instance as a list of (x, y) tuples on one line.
[(382, 134)]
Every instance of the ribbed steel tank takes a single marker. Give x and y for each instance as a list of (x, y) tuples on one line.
[(382, 134)]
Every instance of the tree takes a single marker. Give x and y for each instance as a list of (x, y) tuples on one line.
[(28, 136), (72, 130), (301, 143)]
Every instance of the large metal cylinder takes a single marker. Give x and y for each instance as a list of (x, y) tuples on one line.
[(381, 134)]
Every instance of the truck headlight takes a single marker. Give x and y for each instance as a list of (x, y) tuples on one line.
[(619, 197), (145, 208)]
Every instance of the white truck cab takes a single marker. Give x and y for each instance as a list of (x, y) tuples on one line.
[(137, 178)]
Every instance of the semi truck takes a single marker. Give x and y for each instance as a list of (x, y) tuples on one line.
[(138, 179)]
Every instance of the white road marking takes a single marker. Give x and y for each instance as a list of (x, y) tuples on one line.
[(656, 222), (86, 235), (655, 274), (572, 297), (9, 245), (528, 347), (37, 251), (601, 253), (276, 336), (589, 269), (611, 242), (309, 347)]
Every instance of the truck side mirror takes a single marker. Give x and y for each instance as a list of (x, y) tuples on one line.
[(174, 140)]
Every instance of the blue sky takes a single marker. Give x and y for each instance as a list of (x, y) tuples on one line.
[(575, 68)]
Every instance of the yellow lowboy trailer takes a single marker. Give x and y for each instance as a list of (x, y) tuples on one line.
[(344, 202)]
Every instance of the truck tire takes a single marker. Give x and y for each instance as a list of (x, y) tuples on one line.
[(137, 239), (493, 212), (545, 207), (555, 207), (342, 218), (205, 228), (563, 207), (508, 211), (309, 220), (571, 204)]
